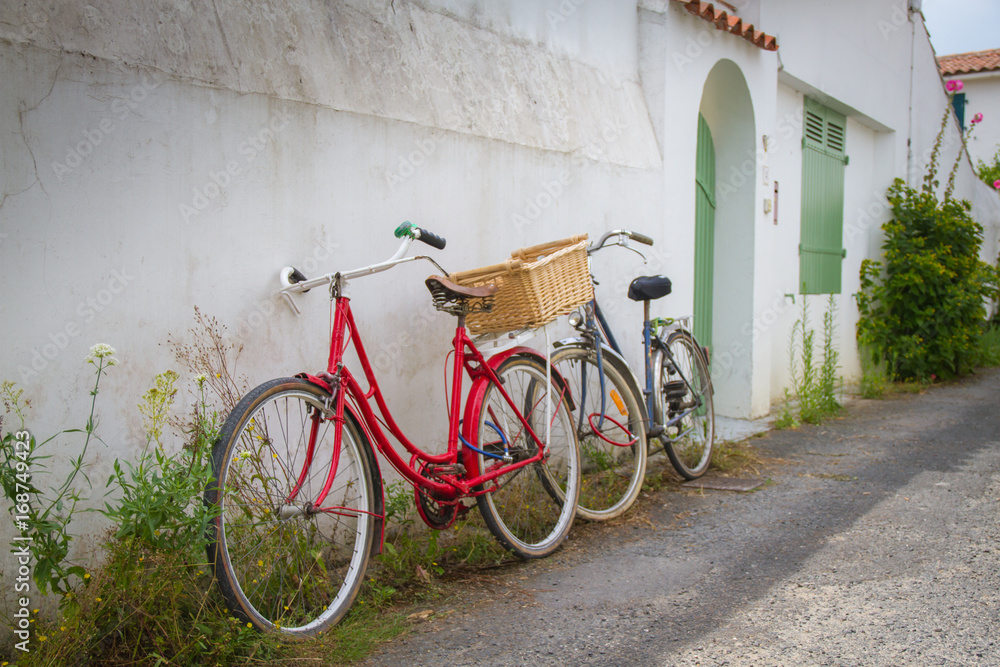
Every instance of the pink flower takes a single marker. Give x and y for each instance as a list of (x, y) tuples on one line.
[(996, 184), (978, 118), (953, 86)]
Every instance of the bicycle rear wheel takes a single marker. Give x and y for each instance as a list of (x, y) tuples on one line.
[(531, 509), (281, 564), (683, 395), (610, 429)]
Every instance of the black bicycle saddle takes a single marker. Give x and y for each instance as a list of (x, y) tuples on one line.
[(647, 288)]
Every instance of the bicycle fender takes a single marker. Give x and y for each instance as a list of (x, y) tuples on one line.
[(607, 352), (316, 380), (474, 402), (373, 462)]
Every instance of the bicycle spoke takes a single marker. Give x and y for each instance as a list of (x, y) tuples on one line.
[(529, 511), (279, 565)]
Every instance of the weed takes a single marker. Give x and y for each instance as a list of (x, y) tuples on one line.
[(989, 346), (48, 512), (735, 457), (875, 380), (990, 173), (474, 546), (787, 417), (834, 477), (151, 601), (814, 387), (911, 386), (211, 355)]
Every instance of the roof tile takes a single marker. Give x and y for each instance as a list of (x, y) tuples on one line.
[(974, 61), (731, 24)]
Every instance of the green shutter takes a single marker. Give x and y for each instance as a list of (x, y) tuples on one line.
[(958, 102), (821, 249), (704, 230)]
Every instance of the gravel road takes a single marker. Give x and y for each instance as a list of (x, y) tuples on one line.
[(874, 542)]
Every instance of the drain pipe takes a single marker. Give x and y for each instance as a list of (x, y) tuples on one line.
[(914, 7)]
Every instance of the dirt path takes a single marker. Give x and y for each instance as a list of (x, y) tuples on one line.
[(874, 543)]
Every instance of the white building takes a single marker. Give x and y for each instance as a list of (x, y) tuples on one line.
[(159, 156), (979, 72)]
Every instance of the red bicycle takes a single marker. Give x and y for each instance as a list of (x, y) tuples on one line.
[(298, 488)]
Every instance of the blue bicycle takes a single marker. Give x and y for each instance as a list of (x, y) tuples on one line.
[(615, 418)]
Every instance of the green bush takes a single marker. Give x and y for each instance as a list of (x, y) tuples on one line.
[(990, 173), (923, 307)]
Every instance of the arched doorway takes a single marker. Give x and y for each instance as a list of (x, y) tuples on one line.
[(726, 272)]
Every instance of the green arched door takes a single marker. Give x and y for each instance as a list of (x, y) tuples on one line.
[(704, 239)]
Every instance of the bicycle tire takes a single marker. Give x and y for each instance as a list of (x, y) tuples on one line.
[(683, 384), (613, 446), (279, 566), (531, 509)]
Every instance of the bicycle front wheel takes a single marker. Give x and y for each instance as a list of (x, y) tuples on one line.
[(608, 422), (282, 563), (684, 401), (529, 510)]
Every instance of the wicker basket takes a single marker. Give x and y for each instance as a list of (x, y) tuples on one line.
[(536, 285)]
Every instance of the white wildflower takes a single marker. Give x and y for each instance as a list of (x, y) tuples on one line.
[(102, 352)]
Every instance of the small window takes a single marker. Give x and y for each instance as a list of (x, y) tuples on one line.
[(958, 102)]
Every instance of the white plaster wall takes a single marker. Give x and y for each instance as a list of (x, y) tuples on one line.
[(600, 34), (145, 173), (395, 60), (682, 52)]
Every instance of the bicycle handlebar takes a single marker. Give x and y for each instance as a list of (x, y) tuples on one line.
[(414, 232), (621, 234), (641, 238), (292, 280)]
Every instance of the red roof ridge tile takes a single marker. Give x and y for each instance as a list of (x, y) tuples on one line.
[(731, 24)]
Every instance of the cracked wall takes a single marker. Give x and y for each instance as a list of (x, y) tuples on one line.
[(143, 174), (391, 59)]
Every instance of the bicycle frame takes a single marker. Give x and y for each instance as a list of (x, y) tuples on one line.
[(600, 328), (344, 386)]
